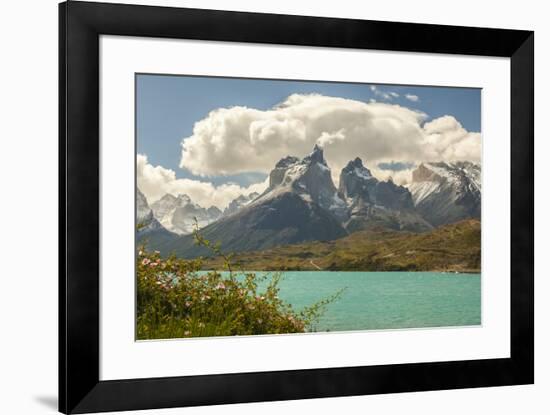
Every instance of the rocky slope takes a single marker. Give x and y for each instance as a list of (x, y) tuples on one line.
[(148, 227), (238, 203), (447, 192), (308, 178), (373, 203)]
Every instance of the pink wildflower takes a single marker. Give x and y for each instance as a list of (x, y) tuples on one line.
[(145, 261)]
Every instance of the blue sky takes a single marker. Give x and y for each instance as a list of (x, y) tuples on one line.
[(169, 106)]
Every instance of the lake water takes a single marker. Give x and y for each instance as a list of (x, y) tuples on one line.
[(387, 300)]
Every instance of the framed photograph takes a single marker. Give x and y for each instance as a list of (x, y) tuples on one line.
[(261, 207)]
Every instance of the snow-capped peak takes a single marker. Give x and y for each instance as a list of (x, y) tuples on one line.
[(452, 172), (144, 215), (316, 156), (356, 167), (178, 213), (447, 191), (309, 177), (142, 207), (358, 186)]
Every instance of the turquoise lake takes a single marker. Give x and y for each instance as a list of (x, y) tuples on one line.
[(387, 300)]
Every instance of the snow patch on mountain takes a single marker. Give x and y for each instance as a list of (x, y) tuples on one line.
[(422, 190), (145, 219), (178, 213), (310, 178), (375, 203), (447, 192)]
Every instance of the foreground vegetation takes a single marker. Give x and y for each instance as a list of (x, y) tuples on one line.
[(175, 300), (450, 248)]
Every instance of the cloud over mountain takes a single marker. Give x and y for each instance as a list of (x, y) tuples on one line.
[(156, 181), (240, 139)]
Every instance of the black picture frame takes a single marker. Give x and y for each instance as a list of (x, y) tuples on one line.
[(80, 26)]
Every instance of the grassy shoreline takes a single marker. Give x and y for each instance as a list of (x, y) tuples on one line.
[(450, 248)]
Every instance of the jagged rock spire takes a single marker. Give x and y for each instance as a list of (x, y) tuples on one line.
[(356, 166), (316, 156)]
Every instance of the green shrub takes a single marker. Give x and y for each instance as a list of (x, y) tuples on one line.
[(175, 300)]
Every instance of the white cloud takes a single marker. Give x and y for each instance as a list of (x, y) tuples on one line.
[(240, 139), (400, 177), (446, 139), (156, 181), (411, 97), (384, 95), (329, 138)]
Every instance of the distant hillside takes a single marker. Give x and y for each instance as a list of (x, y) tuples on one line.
[(455, 247)]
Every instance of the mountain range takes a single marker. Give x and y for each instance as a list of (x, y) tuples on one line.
[(302, 204), (178, 213)]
